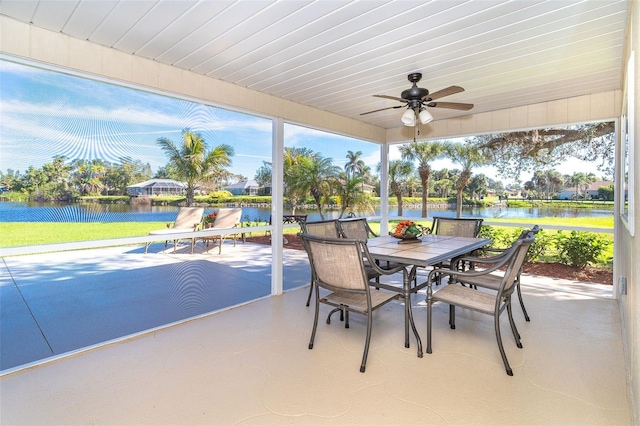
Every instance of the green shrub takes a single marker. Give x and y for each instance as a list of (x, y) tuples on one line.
[(579, 249), (220, 194)]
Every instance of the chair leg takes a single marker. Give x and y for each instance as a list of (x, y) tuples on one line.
[(452, 316), (146, 247), (341, 310), (315, 322), (496, 323), (367, 341), (310, 292), (514, 329), (524, 310), (429, 322)]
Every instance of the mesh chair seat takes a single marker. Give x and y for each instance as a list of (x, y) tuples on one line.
[(474, 300), (356, 302)]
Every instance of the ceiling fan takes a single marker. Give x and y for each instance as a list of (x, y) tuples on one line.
[(417, 99)]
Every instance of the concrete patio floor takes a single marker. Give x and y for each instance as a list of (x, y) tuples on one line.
[(251, 365), (52, 304)]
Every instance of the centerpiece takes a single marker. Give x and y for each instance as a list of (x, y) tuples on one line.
[(210, 219), (408, 231)]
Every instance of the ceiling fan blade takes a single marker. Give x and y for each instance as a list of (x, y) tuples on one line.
[(451, 105), (451, 90), (393, 98), (393, 107)]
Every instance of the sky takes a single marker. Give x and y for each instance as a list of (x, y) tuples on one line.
[(45, 113)]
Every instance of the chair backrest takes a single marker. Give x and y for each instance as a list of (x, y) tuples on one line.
[(188, 217), (322, 228), (356, 228), (457, 227), (228, 218), (516, 259), (336, 263)]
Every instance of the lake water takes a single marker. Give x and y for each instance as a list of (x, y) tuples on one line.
[(34, 212)]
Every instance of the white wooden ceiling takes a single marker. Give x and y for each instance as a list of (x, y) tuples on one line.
[(336, 54)]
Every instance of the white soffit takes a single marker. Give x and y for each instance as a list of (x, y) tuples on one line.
[(334, 55)]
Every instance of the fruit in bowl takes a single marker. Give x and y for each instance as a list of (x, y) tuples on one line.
[(408, 230)]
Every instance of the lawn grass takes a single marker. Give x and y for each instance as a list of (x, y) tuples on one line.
[(33, 233), (587, 222)]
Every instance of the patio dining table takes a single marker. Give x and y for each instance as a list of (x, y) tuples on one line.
[(429, 250)]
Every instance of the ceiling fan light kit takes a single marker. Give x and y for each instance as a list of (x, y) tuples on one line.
[(417, 99), (409, 118), (425, 116)]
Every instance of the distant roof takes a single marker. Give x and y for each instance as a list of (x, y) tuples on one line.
[(593, 186), (243, 184), (164, 183)]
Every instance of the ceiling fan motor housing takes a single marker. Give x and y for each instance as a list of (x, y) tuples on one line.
[(414, 93)]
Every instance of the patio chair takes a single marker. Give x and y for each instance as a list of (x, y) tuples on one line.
[(356, 228), (322, 228), (227, 218), (359, 228), (455, 227), (493, 282), (337, 265), (188, 219), (493, 303)]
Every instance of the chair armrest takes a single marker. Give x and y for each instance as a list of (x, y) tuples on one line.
[(469, 273), (374, 265), (475, 259)]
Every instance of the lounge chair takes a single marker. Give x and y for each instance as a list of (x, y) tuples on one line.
[(188, 219), (227, 218)]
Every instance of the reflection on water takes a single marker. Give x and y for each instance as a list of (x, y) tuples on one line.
[(37, 212)]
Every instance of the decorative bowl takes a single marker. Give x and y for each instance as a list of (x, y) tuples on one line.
[(407, 231), (406, 237)]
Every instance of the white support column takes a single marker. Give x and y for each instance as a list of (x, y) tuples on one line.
[(384, 189), (277, 177)]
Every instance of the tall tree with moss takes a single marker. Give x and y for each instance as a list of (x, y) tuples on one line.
[(193, 163), (423, 153), (517, 152)]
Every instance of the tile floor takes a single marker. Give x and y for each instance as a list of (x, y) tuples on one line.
[(251, 365)]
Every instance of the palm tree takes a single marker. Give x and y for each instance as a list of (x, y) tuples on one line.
[(317, 173), (423, 153), (398, 172), (294, 187), (354, 166), (467, 156), (351, 194), (578, 180), (193, 164)]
